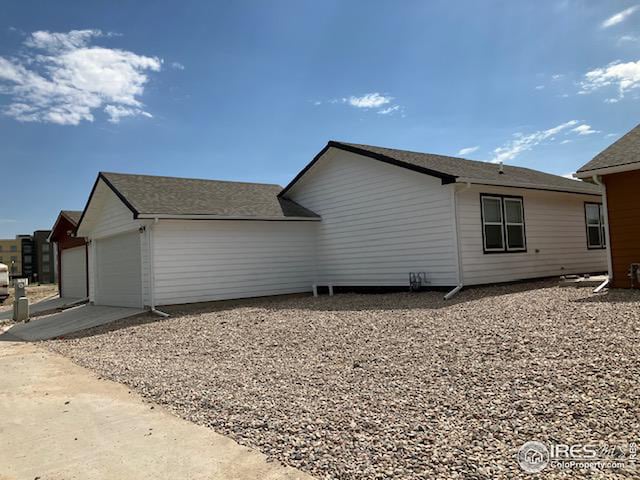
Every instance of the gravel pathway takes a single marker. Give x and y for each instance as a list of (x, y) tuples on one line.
[(393, 385)]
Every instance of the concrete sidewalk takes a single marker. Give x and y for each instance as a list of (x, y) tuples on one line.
[(59, 421)]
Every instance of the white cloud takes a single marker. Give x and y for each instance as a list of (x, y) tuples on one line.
[(557, 76), (609, 135), (177, 66), (584, 129), (369, 100), (619, 17), (539, 87), (70, 79), (570, 175), (564, 142), (628, 39), (468, 150), (624, 76), (522, 143), (389, 110), (117, 112)]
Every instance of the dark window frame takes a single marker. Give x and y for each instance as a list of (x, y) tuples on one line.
[(601, 225), (505, 247)]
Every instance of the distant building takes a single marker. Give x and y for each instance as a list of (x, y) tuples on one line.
[(28, 260), (44, 271), (11, 256), (29, 256)]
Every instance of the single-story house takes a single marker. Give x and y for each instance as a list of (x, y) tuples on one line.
[(71, 255), (355, 216), (617, 222)]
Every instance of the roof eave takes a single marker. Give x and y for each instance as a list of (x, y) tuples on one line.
[(526, 186), (164, 216), (584, 174)]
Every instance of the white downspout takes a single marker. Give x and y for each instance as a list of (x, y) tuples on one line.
[(607, 238), (456, 237), (152, 277)]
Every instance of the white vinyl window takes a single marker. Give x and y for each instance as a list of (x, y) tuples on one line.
[(594, 217), (503, 228)]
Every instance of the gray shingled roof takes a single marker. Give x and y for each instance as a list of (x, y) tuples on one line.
[(72, 215), (461, 169), (624, 151), (147, 195)]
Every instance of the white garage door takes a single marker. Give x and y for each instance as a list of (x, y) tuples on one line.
[(118, 271), (73, 264)]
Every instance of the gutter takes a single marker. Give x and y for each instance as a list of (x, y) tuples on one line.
[(526, 186)]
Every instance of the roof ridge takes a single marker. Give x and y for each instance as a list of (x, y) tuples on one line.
[(189, 178), (482, 162)]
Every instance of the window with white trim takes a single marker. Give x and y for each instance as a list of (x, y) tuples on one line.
[(594, 218), (503, 228)]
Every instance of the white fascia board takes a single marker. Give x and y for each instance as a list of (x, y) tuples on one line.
[(223, 217), (528, 186), (608, 170)]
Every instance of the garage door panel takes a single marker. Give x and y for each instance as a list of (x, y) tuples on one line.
[(73, 264), (118, 271)]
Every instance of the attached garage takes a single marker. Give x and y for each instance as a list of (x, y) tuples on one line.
[(73, 272), (166, 240), (118, 274), (71, 254)]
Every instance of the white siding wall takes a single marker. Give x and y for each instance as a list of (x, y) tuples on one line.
[(379, 222), (108, 216), (556, 238), (197, 261)]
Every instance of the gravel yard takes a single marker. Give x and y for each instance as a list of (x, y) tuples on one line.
[(392, 385)]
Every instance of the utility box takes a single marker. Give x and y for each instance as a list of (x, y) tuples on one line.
[(21, 302)]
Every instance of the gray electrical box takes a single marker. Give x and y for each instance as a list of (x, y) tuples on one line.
[(20, 302)]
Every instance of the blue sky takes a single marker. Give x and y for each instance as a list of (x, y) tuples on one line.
[(251, 90)]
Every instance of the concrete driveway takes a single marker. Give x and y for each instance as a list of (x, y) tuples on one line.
[(45, 306), (59, 421), (68, 321)]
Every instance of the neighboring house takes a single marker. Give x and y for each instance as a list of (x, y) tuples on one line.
[(71, 256), (11, 256), (617, 168), (355, 216), (45, 270), (163, 240)]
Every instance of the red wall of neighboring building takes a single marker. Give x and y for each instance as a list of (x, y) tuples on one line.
[(623, 210), (62, 236)]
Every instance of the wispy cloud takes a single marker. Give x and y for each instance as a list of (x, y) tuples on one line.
[(619, 17), (628, 39), (624, 76), (565, 141), (539, 87), (570, 175), (382, 103), (177, 66), (584, 129), (8, 220), (524, 142), (62, 79), (610, 135), (369, 100), (389, 110), (468, 150), (557, 76)]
